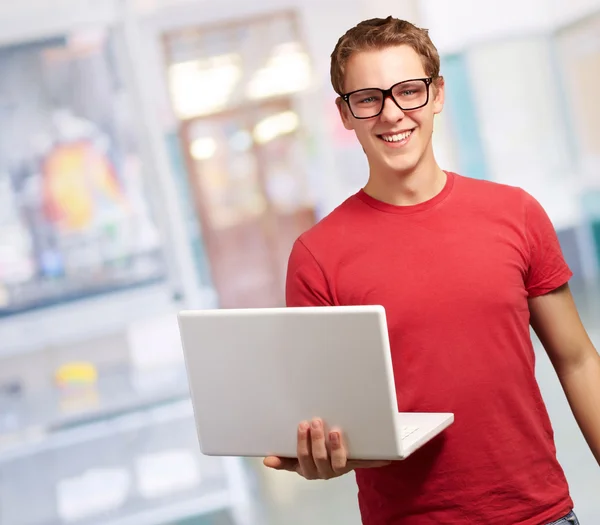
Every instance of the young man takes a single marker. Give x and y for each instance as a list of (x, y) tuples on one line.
[(462, 267)]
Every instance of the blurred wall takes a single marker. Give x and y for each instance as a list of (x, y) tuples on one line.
[(516, 112)]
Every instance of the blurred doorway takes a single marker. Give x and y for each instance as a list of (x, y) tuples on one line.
[(248, 199), (233, 88)]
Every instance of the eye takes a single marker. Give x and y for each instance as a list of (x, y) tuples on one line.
[(365, 98)]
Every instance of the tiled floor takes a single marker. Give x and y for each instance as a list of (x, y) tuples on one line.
[(288, 500)]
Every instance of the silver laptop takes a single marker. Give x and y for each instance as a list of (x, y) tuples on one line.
[(256, 374)]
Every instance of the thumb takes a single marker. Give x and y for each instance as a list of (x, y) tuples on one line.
[(280, 463)]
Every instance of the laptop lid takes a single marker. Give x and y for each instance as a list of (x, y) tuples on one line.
[(255, 374)]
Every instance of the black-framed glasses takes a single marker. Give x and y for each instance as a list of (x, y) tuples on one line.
[(407, 95)]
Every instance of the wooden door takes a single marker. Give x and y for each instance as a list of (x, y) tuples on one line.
[(251, 196)]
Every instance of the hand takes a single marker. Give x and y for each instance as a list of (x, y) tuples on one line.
[(320, 457)]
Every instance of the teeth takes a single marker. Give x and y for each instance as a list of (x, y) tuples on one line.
[(396, 138)]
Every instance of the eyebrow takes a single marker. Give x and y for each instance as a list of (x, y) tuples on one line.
[(384, 89)]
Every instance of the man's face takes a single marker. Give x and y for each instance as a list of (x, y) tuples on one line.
[(383, 69)]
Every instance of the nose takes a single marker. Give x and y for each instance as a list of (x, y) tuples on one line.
[(391, 111)]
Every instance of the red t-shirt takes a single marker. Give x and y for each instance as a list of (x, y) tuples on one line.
[(454, 274)]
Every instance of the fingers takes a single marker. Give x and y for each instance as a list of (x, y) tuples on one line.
[(320, 452), (339, 460), (320, 455), (307, 467)]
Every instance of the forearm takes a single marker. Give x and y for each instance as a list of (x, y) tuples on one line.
[(582, 387)]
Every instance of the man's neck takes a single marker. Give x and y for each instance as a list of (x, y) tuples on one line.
[(406, 189)]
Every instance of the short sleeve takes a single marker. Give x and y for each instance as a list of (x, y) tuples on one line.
[(306, 284), (547, 269)]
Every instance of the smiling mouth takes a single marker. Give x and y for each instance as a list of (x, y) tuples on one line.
[(396, 137)]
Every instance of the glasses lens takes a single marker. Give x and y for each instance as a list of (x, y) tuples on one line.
[(411, 94), (366, 103)]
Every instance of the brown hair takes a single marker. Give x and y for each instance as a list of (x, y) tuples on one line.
[(379, 33)]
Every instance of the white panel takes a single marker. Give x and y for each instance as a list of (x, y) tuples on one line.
[(457, 24), (518, 101), (566, 11), (32, 19), (404, 9)]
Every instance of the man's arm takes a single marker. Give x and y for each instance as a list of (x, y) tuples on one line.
[(555, 319)]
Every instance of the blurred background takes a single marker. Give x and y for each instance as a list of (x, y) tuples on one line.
[(164, 154)]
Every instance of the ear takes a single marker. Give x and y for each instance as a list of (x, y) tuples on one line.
[(439, 95), (344, 111)]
